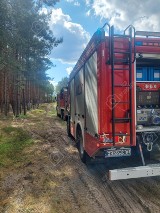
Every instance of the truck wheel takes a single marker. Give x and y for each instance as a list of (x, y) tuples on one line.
[(65, 118), (82, 153), (79, 141), (81, 150), (68, 126), (57, 111)]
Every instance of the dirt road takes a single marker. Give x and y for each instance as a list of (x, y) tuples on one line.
[(55, 181)]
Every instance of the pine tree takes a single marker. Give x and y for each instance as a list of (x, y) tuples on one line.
[(25, 42)]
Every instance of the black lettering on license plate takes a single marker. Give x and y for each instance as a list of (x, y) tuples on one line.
[(118, 153)]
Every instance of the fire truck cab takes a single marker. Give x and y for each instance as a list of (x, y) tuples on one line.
[(114, 93)]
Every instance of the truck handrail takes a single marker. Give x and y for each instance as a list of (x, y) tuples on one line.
[(130, 27), (147, 33), (109, 27)]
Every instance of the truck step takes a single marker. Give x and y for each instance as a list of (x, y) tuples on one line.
[(121, 68), (119, 52), (122, 102), (126, 61), (120, 85), (122, 120), (121, 134)]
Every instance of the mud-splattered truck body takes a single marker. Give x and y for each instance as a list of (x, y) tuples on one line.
[(114, 93)]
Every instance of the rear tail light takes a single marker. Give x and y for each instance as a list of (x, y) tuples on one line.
[(106, 138)]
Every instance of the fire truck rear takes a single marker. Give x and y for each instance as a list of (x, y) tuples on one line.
[(62, 103), (114, 93)]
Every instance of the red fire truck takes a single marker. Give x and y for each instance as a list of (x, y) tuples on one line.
[(62, 103), (114, 93)]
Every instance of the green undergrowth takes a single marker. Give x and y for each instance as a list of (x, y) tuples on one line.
[(52, 112), (45, 110), (22, 116), (13, 140), (37, 111)]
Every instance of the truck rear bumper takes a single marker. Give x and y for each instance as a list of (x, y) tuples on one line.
[(135, 172)]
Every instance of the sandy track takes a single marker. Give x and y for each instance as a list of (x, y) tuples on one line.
[(56, 181)]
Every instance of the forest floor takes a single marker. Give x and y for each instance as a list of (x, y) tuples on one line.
[(40, 172)]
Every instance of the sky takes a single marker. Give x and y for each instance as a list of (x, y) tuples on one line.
[(77, 20)]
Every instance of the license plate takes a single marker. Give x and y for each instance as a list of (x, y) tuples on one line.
[(117, 152)]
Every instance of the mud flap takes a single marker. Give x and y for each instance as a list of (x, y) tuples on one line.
[(135, 172)]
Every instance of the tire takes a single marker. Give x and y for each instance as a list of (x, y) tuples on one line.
[(81, 150), (82, 153), (65, 118), (57, 111), (62, 114), (68, 127), (58, 115)]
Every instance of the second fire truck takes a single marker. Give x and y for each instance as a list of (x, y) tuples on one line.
[(62, 103)]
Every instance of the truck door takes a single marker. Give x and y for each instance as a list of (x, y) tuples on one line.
[(72, 107), (91, 96), (79, 99)]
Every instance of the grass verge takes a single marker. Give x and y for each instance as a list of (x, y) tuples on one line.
[(13, 141)]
